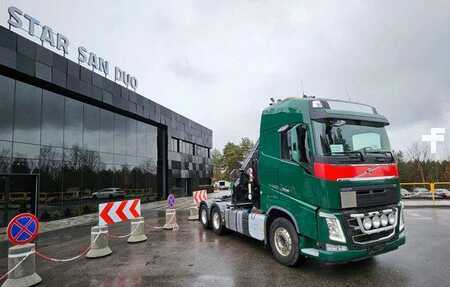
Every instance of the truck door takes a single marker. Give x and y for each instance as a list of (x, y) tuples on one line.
[(295, 172)]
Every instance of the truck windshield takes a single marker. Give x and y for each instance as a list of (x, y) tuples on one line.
[(338, 137)]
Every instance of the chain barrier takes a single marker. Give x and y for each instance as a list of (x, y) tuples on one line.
[(48, 258), (170, 224), (112, 236), (15, 267)]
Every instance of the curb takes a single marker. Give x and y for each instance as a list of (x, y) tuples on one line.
[(426, 206)]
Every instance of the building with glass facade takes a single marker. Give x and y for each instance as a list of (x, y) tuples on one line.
[(70, 138)]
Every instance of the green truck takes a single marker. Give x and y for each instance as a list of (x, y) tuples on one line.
[(321, 182)]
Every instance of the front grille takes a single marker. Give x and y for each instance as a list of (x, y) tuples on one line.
[(359, 236), (375, 195), (371, 238)]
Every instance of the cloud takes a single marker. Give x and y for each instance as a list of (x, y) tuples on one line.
[(218, 62)]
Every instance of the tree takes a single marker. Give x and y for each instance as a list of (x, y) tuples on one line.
[(230, 159), (420, 156), (217, 162)]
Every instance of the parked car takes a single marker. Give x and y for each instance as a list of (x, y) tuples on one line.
[(222, 185), (111, 192), (405, 193), (424, 193), (442, 192)]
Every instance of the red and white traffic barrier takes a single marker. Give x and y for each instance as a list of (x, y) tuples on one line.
[(113, 212), (199, 196)]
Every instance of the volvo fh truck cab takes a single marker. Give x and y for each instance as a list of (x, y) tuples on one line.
[(320, 182)]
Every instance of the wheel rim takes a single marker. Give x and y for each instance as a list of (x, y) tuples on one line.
[(283, 241), (216, 220), (204, 216)]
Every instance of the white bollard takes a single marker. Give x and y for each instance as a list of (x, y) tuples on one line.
[(193, 213), (171, 219), (25, 274), (99, 242), (137, 230)]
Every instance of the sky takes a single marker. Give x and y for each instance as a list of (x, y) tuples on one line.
[(219, 62)]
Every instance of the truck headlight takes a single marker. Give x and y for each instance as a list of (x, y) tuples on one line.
[(334, 227)]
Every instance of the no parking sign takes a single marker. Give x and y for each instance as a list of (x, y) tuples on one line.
[(23, 228), (171, 201)]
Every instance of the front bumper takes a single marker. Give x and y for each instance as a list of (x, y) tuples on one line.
[(355, 255)]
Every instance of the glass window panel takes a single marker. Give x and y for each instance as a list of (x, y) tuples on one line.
[(131, 137), (120, 135), (73, 125), (5, 148), (50, 194), (91, 136), (107, 132), (52, 119), (26, 151), (27, 114), (26, 158), (141, 139), (151, 143), (5, 156), (106, 177), (72, 187), (49, 153), (106, 158), (120, 159), (6, 107), (74, 155)]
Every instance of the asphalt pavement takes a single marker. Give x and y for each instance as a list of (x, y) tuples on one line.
[(192, 256)]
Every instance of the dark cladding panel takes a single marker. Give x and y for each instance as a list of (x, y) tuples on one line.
[(59, 78), (44, 55), (107, 97), (8, 58), (25, 65), (26, 48), (85, 75), (73, 69), (8, 39), (43, 72), (97, 93), (73, 84), (59, 63), (132, 96), (97, 80), (85, 89)]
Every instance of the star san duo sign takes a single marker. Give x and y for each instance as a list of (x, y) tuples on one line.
[(58, 41)]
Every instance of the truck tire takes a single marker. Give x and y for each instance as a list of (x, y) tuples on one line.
[(284, 242), (203, 217), (216, 222)]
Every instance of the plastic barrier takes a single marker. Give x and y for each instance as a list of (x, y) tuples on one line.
[(22, 258), (193, 213)]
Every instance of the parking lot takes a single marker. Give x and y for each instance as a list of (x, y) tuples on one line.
[(193, 256)]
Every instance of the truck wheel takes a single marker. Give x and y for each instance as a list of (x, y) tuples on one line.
[(284, 242), (203, 214), (216, 222)]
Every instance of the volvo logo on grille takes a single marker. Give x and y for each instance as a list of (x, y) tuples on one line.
[(368, 171)]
